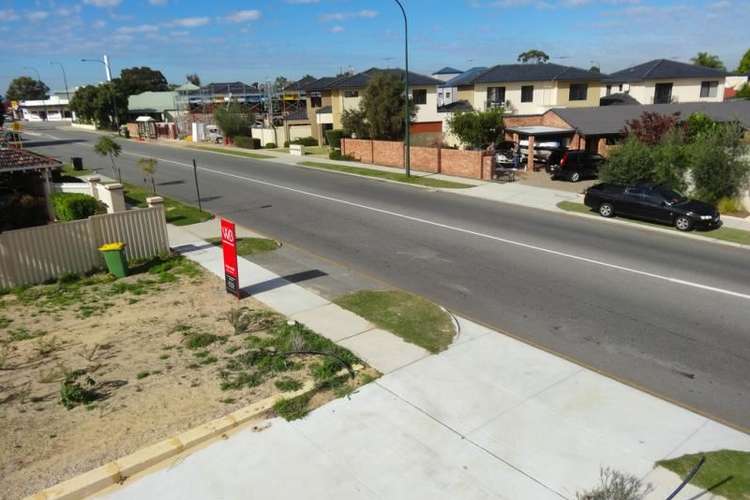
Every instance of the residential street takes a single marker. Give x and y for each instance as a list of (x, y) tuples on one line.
[(667, 314)]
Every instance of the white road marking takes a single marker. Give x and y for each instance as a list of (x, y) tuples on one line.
[(529, 246)]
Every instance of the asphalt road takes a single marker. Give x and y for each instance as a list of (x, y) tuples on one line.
[(665, 313)]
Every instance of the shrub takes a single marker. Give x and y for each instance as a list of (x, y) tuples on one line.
[(270, 145), (718, 165), (730, 206), (74, 206), (305, 141), (335, 154), (478, 129), (234, 120), (74, 393), (286, 144), (333, 137), (243, 141), (615, 485)]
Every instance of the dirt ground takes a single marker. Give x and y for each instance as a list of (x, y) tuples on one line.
[(155, 352)]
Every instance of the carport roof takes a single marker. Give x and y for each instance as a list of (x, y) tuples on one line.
[(541, 130), (18, 160), (611, 120)]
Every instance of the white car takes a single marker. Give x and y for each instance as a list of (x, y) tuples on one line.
[(213, 134)]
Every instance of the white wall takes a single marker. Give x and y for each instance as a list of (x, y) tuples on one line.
[(428, 112), (545, 97), (299, 131), (684, 90), (736, 82)]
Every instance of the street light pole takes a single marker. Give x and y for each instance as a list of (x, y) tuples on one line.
[(65, 81), (108, 73), (407, 138), (39, 80)]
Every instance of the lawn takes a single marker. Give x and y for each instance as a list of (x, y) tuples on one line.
[(725, 472), (93, 368), (392, 176), (250, 246), (412, 318), (723, 233), (68, 170), (233, 151), (177, 213)]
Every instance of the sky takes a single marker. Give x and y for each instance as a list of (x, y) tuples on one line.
[(251, 41)]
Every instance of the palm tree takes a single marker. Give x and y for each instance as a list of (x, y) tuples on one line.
[(148, 167), (107, 147), (708, 61)]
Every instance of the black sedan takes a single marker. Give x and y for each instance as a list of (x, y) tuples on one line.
[(653, 203)]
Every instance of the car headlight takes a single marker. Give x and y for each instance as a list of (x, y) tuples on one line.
[(706, 217)]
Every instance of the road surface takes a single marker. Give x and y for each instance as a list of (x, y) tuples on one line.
[(667, 314)]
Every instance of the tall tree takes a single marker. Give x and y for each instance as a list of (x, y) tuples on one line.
[(194, 79), (744, 66), (25, 88), (97, 104), (107, 147), (234, 120), (708, 61), (142, 79), (533, 55), (595, 69), (280, 83), (383, 106)]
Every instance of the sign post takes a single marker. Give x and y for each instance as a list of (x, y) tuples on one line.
[(229, 248)]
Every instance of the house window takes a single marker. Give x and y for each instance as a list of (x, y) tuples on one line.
[(609, 89), (578, 91), (709, 89), (447, 95), (316, 101), (663, 93), (351, 93), (527, 93), (495, 96), (419, 96)]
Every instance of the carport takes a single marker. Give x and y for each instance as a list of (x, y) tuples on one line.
[(539, 134)]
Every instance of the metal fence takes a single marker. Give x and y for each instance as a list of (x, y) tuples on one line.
[(38, 254)]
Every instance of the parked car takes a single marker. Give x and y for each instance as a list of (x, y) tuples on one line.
[(653, 203), (574, 165), (504, 154)]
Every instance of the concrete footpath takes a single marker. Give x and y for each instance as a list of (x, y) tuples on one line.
[(490, 417)]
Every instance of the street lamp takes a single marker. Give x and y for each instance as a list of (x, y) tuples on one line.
[(407, 155), (65, 81), (39, 80), (108, 71)]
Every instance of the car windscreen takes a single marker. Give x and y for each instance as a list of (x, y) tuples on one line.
[(670, 195)]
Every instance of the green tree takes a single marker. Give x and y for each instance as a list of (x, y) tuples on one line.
[(477, 129), (354, 122), (744, 65), (718, 164), (25, 88), (96, 104), (383, 104), (595, 69), (142, 79), (194, 79), (280, 83), (533, 55), (698, 124), (744, 92), (708, 60), (107, 147), (234, 120), (148, 167)]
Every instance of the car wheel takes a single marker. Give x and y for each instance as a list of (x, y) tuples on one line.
[(683, 223), (575, 177), (606, 210)]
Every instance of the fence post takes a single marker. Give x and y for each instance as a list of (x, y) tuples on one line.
[(158, 202), (93, 186)]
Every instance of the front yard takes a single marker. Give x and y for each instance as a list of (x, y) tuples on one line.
[(93, 368)]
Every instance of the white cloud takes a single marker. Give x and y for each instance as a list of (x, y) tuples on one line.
[(8, 15), (141, 28), (37, 15), (190, 22), (337, 29), (158, 2), (341, 16), (720, 5), (242, 16), (99, 24), (103, 3)]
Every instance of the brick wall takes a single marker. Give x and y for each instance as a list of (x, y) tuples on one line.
[(474, 164)]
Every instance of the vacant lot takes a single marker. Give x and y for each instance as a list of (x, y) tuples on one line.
[(94, 368)]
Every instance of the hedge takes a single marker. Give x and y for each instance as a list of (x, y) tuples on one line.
[(305, 141), (270, 145), (334, 137), (247, 142), (74, 206)]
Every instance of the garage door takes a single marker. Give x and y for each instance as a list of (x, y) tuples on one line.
[(420, 128)]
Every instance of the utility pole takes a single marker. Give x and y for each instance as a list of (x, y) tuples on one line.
[(108, 72), (407, 138)]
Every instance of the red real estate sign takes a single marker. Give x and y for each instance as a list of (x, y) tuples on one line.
[(229, 247)]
